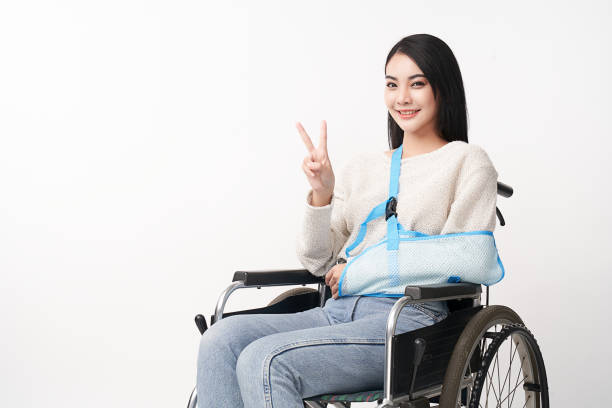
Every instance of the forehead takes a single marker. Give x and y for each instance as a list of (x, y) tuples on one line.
[(402, 66)]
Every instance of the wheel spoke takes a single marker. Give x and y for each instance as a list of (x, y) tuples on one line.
[(511, 392), (507, 377), (498, 380), (517, 378), (510, 366), (491, 383)]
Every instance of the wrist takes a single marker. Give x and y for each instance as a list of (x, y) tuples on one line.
[(321, 199)]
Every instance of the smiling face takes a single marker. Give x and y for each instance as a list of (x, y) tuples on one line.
[(407, 88)]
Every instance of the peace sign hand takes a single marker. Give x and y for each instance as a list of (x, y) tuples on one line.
[(316, 164)]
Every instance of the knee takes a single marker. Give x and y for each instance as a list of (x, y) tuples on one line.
[(261, 360), (255, 360), (250, 362), (220, 341)]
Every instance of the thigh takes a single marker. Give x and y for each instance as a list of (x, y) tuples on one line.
[(345, 357), (237, 331)]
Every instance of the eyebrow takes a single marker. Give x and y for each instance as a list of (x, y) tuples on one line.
[(409, 78)]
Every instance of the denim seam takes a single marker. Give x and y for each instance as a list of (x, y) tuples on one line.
[(268, 361)]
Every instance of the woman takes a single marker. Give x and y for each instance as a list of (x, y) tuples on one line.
[(446, 186)]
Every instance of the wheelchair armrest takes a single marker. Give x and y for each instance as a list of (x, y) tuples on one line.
[(277, 277), (443, 290)]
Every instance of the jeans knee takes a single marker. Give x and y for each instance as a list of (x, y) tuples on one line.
[(219, 342), (250, 364), (261, 362)]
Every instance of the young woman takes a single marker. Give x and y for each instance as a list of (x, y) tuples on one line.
[(446, 186)]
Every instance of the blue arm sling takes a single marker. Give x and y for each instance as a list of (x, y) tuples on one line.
[(405, 258)]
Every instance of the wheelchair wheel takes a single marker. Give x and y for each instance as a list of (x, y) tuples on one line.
[(500, 383), (291, 292), (465, 360)]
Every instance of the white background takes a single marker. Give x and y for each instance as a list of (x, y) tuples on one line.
[(148, 151)]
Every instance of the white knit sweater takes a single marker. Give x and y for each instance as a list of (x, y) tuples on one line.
[(451, 189)]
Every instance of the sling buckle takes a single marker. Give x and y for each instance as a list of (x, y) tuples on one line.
[(390, 210)]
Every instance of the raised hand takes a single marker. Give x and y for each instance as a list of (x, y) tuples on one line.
[(316, 164)]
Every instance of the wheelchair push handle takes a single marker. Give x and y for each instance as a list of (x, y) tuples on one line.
[(200, 321)]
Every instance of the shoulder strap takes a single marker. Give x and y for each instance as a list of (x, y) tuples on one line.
[(381, 208), (392, 232)]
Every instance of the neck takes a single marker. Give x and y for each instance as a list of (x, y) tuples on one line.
[(413, 145)]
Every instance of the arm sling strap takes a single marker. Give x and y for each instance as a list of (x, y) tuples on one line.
[(405, 257)]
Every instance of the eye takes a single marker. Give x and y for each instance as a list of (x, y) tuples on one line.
[(418, 83)]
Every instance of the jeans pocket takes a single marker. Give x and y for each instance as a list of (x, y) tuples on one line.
[(435, 315)]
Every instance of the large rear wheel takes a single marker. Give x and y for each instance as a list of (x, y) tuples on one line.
[(512, 372), (465, 360)]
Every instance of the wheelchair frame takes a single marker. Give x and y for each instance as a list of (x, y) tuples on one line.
[(410, 346)]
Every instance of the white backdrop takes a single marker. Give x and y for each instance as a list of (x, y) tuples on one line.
[(148, 150)]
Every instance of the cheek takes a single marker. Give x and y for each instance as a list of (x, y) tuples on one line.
[(388, 101), (431, 110)]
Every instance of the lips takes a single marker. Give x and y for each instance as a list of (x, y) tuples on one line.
[(408, 115)]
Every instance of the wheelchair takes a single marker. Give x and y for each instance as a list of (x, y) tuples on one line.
[(478, 356)]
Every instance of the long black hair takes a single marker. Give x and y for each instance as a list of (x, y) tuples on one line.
[(441, 69)]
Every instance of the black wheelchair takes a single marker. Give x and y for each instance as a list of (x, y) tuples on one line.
[(478, 356)]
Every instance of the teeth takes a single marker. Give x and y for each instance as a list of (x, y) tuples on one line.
[(408, 112)]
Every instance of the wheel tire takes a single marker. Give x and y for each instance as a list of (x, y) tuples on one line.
[(466, 345), (534, 380), (291, 292)]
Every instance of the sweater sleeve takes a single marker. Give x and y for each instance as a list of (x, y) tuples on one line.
[(473, 208), (323, 234)]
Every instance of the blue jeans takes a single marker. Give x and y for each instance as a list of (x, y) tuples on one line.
[(276, 360)]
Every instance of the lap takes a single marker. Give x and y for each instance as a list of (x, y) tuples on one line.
[(343, 357), (367, 330), (358, 319)]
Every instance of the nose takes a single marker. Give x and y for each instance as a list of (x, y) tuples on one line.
[(403, 96)]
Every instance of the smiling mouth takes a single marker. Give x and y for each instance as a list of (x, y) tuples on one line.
[(408, 114)]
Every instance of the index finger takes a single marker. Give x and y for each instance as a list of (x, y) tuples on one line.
[(323, 136), (305, 137)]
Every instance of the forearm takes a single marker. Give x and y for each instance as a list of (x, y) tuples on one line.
[(322, 235)]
